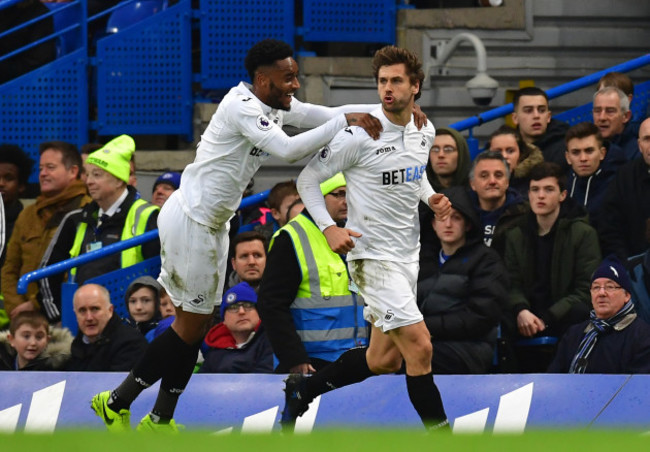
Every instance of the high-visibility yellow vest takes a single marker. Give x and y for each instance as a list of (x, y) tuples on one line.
[(328, 317), (134, 224)]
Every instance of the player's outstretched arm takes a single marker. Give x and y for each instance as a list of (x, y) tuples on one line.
[(340, 239)]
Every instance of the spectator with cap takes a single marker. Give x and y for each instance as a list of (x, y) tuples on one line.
[(142, 300), (166, 184), (614, 340), (238, 344), (115, 214)]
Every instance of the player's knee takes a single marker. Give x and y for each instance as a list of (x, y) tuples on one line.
[(191, 328)]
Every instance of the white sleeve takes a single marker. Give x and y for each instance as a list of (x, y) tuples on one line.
[(339, 155), (426, 190), (269, 137), (307, 116)]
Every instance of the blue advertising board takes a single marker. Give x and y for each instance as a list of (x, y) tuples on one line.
[(49, 401)]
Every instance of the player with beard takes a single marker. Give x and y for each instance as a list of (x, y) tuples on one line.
[(386, 179)]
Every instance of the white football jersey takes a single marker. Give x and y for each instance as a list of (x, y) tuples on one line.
[(385, 178), (241, 135)]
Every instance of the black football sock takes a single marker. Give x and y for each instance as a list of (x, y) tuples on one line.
[(350, 368), (426, 400), (150, 369), (174, 382)]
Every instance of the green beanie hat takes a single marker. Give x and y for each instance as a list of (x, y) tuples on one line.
[(114, 157), (336, 181)]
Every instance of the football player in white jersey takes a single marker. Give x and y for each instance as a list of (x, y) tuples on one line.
[(193, 224), (386, 179)]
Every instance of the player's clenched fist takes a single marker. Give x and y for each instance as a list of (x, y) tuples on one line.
[(440, 205), (340, 239)]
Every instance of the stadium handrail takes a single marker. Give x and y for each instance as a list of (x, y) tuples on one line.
[(552, 93), (114, 248)]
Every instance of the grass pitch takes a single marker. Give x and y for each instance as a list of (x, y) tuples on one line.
[(327, 441)]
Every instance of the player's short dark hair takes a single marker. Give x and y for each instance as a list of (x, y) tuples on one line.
[(489, 155), (584, 130), (11, 153), (390, 55), (280, 191), (524, 148), (70, 155), (528, 91), (266, 53), (549, 169), (247, 236)]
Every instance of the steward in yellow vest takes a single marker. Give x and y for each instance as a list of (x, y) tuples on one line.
[(115, 214), (304, 300)]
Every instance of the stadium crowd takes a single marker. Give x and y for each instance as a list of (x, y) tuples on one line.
[(515, 270)]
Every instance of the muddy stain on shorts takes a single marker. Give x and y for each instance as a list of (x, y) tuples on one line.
[(359, 276)]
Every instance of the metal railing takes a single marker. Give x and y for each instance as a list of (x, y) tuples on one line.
[(552, 93), (114, 248)]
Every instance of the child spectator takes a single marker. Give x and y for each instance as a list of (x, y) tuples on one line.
[(166, 305), (30, 345), (143, 305)]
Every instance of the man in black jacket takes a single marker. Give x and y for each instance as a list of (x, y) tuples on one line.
[(532, 116), (625, 228), (103, 342)]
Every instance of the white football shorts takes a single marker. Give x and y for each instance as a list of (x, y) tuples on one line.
[(193, 259), (388, 289)]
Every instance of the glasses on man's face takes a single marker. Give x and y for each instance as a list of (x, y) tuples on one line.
[(341, 194), (609, 288), (445, 149), (247, 305)]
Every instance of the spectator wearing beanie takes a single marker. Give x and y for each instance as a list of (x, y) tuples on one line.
[(166, 184), (614, 340), (238, 344), (115, 214)]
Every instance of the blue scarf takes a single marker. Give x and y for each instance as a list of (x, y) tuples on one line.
[(600, 326)]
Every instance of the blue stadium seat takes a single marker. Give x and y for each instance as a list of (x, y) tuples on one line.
[(133, 12), (66, 15)]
